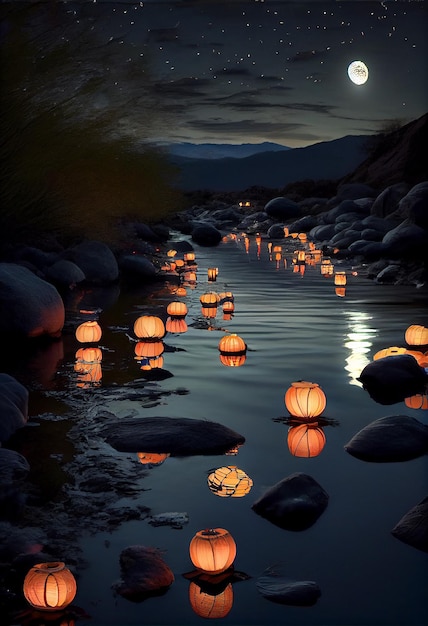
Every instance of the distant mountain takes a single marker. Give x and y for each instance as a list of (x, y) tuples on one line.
[(221, 150), (273, 169)]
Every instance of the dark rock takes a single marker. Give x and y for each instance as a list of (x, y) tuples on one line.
[(179, 436), (353, 191), (29, 306), (276, 231), (322, 232), (206, 235), (304, 224), (182, 246), (64, 273), (282, 208), (144, 573), (413, 527), (394, 378), (389, 439), (136, 265), (414, 205), (387, 201), (406, 241), (389, 275), (96, 261), (143, 231), (283, 590), (294, 503), (13, 406), (14, 468)]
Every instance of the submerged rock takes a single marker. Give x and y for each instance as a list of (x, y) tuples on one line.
[(178, 436), (413, 527), (392, 438), (13, 406), (284, 590), (144, 573), (294, 503)]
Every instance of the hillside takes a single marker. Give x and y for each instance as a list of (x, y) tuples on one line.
[(221, 150), (325, 160)]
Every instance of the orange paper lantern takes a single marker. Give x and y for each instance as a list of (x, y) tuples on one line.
[(419, 401), (49, 586), (149, 327), (305, 400), (177, 309), (229, 482), (416, 335), (340, 278), (392, 351), (232, 345), (212, 550), (88, 332)]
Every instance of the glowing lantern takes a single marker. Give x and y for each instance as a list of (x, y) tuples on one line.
[(225, 296), (303, 237), (421, 357), (210, 605), (212, 550), (152, 458), (311, 245), (340, 278), (232, 344), (306, 440), (49, 586), (305, 400), (179, 263), (229, 482), (419, 401), (393, 351), (189, 257), (88, 332), (277, 248), (176, 325), (89, 355), (212, 273), (210, 298), (156, 362), (181, 292), (149, 327), (286, 231), (327, 267), (190, 277), (177, 309), (148, 349), (171, 253), (340, 291), (416, 335), (89, 374), (210, 312)]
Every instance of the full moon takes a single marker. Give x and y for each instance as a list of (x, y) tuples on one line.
[(358, 72)]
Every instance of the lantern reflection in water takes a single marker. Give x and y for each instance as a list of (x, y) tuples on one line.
[(229, 481), (88, 367), (359, 340), (148, 349), (209, 603), (152, 459), (340, 291), (212, 550), (306, 440), (212, 274), (49, 586), (305, 400), (228, 309), (176, 325)]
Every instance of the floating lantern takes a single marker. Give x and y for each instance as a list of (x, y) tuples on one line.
[(212, 273), (171, 253), (88, 332), (306, 440), (49, 586), (190, 278), (232, 344), (421, 357), (177, 309), (189, 257), (416, 335), (244, 203), (212, 550), (149, 327), (209, 298), (327, 268), (225, 296), (229, 482), (148, 349), (419, 401), (286, 231), (340, 278), (303, 237), (179, 264), (89, 355), (393, 351), (209, 604), (305, 400), (176, 325), (181, 292), (228, 307), (152, 458)]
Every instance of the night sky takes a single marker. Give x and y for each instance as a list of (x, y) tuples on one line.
[(249, 71)]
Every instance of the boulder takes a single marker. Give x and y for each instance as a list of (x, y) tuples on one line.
[(282, 208), (144, 231), (387, 201), (276, 231), (96, 261), (406, 241), (179, 436), (29, 306), (304, 224), (144, 573), (135, 265), (14, 468), (353, 191), (414, 205), (13, 406), (294, 503), (393, 378), (206, 235), (413, 527), (64, 274), (388, 439), (389, 275)]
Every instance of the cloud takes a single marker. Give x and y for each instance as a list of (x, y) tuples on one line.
[(249, 126)]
